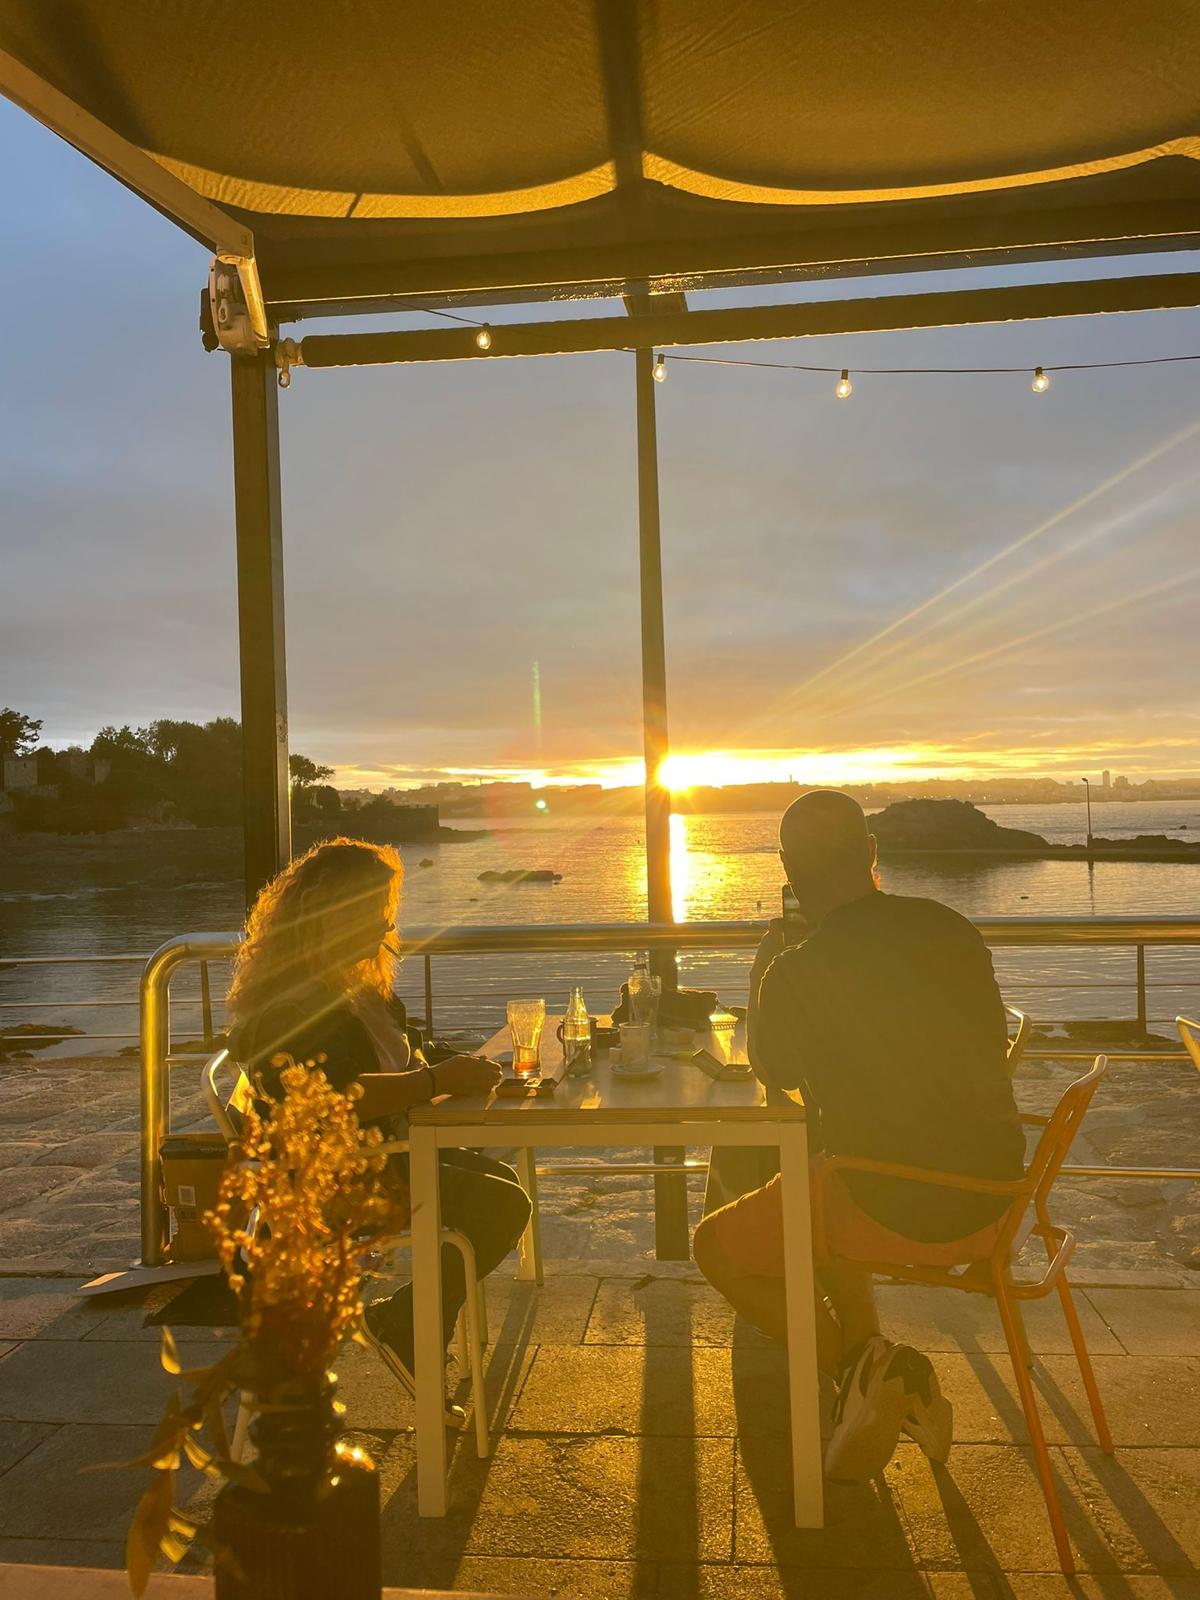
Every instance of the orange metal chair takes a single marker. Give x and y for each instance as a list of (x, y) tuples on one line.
[(994, 1274)]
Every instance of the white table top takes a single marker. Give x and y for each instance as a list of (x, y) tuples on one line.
[(682, 1092)]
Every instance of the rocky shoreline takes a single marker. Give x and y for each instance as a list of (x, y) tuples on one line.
[(956, 829)]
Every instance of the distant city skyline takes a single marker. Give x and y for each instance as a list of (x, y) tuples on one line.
[(937, 575)]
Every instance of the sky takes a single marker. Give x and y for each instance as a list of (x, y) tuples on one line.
[(938, 575)]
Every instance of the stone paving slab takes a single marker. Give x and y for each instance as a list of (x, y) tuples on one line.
[(1148, 1503), (81, 1381), (659, 1311), (946, 1319), (1152, 1322), (864, 1525), (1147, 1399), (986, 1511), (53, 1490), (744, 1582)]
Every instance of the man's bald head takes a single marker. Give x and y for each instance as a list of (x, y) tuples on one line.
[(827, 849)]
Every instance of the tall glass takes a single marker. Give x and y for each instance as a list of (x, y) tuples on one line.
[(526, 1019)]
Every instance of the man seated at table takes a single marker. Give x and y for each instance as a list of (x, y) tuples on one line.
[(888, 1018)]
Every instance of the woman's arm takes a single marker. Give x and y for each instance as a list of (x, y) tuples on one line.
[(385, 1093)]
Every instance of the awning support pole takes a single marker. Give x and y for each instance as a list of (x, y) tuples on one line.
[(654, 655), (670, 1191), (266, 806)]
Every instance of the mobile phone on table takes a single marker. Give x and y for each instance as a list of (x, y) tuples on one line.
[(795, 928)]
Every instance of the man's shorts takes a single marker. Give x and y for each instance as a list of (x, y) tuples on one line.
[(749, 1231)]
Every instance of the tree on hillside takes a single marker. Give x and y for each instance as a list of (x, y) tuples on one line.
[(18, 733), (305, 772)]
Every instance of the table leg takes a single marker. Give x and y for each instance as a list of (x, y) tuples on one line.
[(529, 1260), (428, 1353), (804, 1405), (671, 1238)]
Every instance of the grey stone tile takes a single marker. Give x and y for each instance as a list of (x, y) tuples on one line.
[(985, 1510), (45, 1308), (864, 1526), (557, 1313), (739, 1581), (946, 1319), (53, 1489), (1053, 1586), (375, 1401), (1148, 1504), (656, 1389), (17, 1439), (570, 1499), (1147, 1399), (1152, 1322), (537, 1578), (659, 1311), (90, 1382), (64, 1552)]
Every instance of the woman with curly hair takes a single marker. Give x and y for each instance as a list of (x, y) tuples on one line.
[(313, 981)]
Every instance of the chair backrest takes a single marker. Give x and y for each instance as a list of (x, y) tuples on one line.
[(1052, 1149), (228, 1110), (1189, 1032), (1016, 1045)]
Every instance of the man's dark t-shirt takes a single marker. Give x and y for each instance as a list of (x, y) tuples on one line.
[(889, 1020)]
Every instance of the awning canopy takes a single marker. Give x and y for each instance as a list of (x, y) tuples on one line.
[(471, 150)]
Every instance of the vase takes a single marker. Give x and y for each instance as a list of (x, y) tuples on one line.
[(311, 1531)]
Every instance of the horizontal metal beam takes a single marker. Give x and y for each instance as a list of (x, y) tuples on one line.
[(225, 236), (668, 329)]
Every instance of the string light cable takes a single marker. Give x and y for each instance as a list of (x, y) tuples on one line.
[(844, 387)]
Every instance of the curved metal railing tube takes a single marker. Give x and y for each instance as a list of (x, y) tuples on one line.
[(155, 1034)]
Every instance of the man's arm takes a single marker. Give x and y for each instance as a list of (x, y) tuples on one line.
[(776, 1045), (769, 947)]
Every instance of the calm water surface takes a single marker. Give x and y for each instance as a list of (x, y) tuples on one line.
[(725, 868)]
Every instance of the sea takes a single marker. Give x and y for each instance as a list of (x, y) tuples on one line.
[(724, 868)]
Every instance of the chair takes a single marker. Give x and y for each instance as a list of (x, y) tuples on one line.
[(1016, 1045), (994, 1275), (1189, 1032), (471, 1333)]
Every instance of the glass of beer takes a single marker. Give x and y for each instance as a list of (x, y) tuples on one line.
[(526, 1019)]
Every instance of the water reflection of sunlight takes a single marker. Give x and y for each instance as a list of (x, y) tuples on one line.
[(681, 868), (700, 877)]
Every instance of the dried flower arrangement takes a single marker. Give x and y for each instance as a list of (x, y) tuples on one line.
[(296, 1202)]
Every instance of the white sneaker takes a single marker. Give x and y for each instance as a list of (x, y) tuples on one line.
[(872, 1403), (930, 1417)]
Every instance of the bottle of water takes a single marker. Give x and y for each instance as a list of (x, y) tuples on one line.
[(577, 1036)]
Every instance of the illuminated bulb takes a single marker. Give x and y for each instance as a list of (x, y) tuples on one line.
[(1040, 381), (843, 388), (660, 369), (484, 338)]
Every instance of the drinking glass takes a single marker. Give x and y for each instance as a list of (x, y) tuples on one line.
[(526, 1019), (635, 1044)]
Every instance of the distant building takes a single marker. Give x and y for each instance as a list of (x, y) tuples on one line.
[(20, 772), (1106, 781)]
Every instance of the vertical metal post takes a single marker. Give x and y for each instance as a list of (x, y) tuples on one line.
[(428, 995), (257, 499), (654, 654), (1141, 989), (205, 1006), (670, 1192)]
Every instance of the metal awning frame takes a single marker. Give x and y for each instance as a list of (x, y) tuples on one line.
[(642, 273)]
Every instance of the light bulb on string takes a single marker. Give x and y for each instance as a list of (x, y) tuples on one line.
[(843, 388), (484, 338), (1040, 381), (660, 368)]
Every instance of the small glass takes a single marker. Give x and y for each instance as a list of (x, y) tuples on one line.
[(635, 1044), (526, 1019)]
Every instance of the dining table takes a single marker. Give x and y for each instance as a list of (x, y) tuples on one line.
[(685, 1098)]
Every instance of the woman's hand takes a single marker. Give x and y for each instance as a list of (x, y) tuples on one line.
[(463, 1075)]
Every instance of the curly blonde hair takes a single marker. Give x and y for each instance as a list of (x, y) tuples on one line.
[(306, 932)]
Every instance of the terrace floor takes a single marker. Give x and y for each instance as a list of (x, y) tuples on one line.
[(641, 1448), (639, 1430)]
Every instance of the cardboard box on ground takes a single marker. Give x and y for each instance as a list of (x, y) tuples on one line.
[(192, 1166)]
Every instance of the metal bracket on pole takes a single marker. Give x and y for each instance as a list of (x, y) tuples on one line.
[(237, 313)]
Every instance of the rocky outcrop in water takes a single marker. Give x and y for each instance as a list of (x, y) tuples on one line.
[(947, 825)]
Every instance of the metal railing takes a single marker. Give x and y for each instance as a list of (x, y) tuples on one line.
[(999, 932)]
